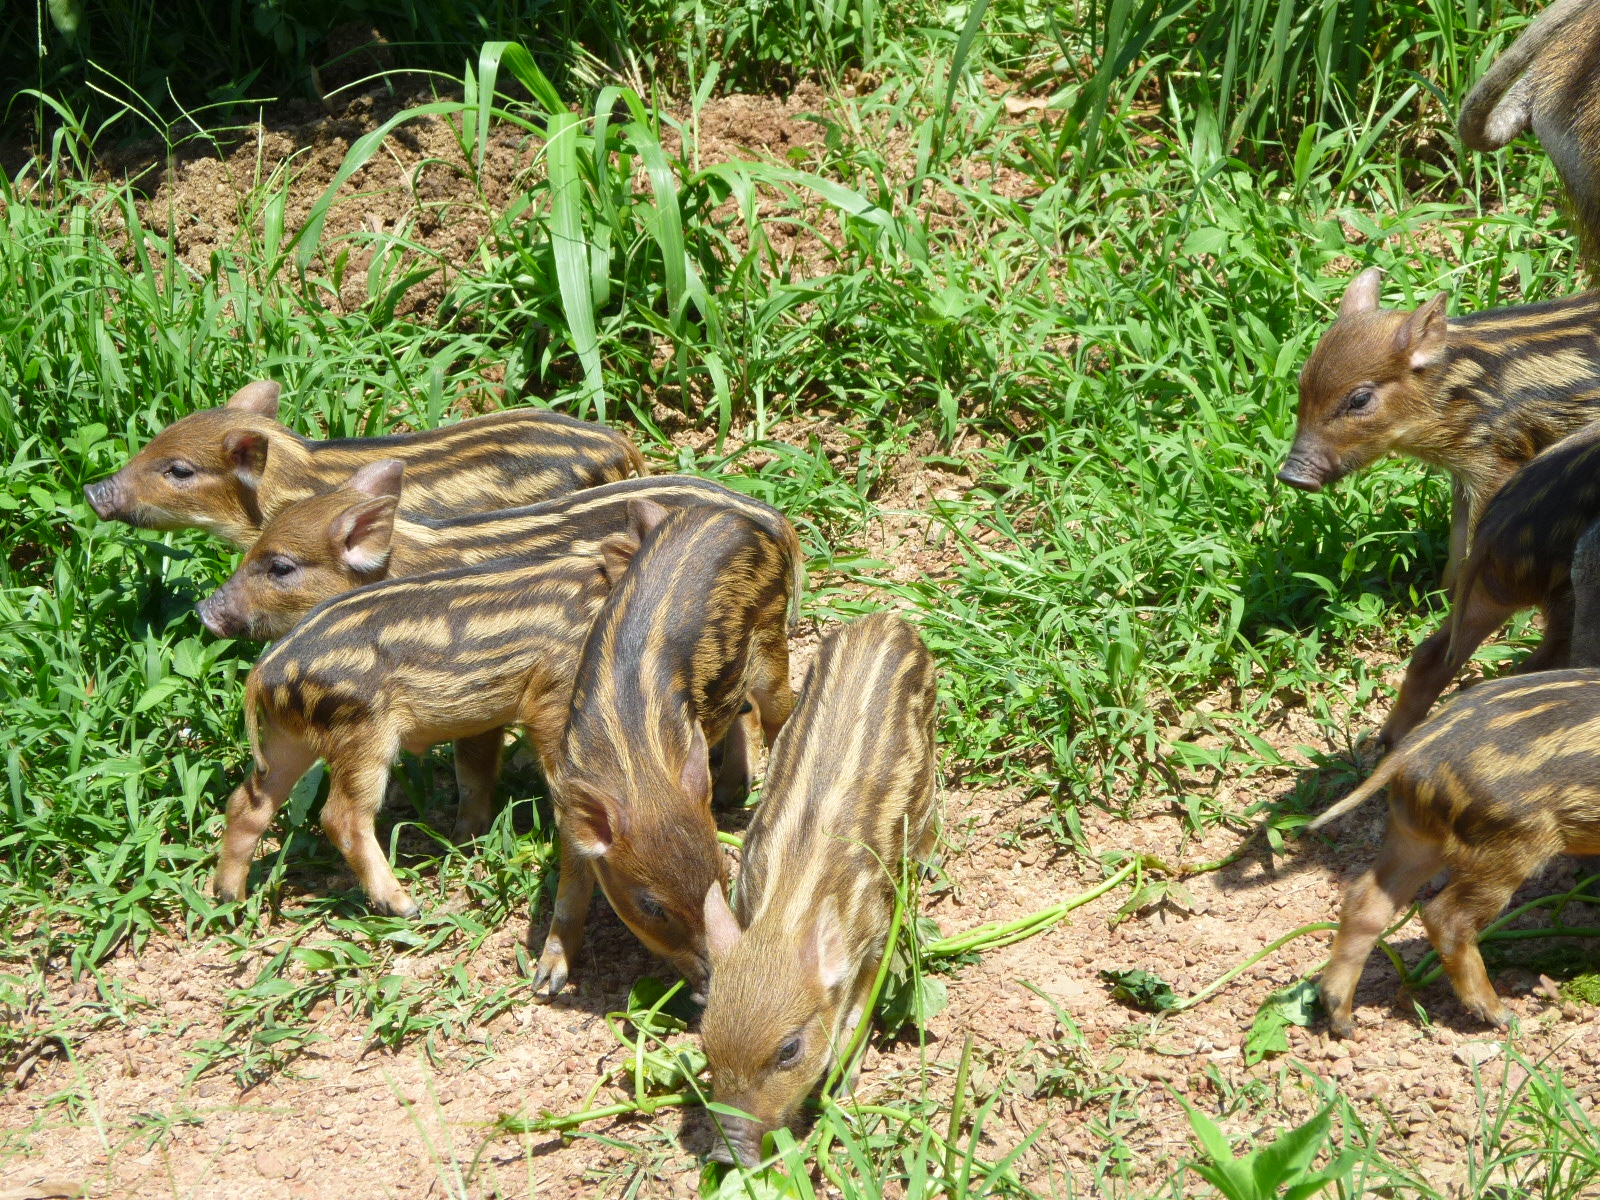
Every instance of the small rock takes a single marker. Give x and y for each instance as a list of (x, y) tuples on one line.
[(1343, 1068), (1409, 1060), (1475, 1054), (272, 1165)]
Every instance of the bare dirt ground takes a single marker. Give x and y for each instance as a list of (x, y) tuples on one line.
[(113, 1117)]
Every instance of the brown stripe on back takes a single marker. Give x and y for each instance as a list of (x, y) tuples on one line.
[(850, 779)]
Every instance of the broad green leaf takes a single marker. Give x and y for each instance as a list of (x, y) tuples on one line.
[(1141, 989)]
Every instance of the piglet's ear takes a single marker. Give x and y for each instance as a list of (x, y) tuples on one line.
[(644, 515), (362, 533), (381, 478), (246, 451), (1422, 335), (722, 929), (695, 777), (617, 550), (832, 957), (590, 825), (1362, 294), (259, 398)]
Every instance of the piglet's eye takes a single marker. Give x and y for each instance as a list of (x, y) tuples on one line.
[(281, 568), (1358, 400), (649, 906), (788, 1052), (180, 470)]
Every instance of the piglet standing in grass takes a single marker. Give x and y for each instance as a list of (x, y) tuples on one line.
[(848, 795), (1491, 787), (227, 470), (1478, 395)]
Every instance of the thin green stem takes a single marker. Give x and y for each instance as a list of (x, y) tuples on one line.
[(998, 933), (622, 1108), (1233, 973), (1495, 931), (858, 1037)]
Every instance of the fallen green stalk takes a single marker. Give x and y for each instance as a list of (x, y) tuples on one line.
[(996, 933), (1233, 973), (643, 1107), (1497, 932)]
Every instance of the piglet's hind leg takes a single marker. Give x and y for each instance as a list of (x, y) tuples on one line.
[(1404, 864)]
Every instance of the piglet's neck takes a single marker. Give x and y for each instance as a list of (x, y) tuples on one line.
[(292, 465), (416, 549)]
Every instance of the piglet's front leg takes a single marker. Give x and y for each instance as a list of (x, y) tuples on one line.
[(573, 893)]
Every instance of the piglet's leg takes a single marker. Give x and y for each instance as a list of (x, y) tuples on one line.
[(1404, 864), (281, 760), (477, 771), (769, 681), (1460, 528), (1478, 889), (355, 793), (1555, 651), (573, 893), (1433, 666), (732, 768)]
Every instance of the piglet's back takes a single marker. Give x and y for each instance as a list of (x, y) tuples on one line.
[(816, 833), (434, 644), (692, 595), (1505, 755)]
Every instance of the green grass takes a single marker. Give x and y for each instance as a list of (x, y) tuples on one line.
[(1112, 329)]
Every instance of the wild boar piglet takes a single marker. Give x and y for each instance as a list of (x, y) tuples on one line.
[(1548, 81), (403, 665), (1478, 395), (227, 470), (848, 795), (325, 545), (1520, 558), (1491, 787), (694, 632)]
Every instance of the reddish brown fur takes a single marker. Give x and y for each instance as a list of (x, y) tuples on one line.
[(405, 664), (227, 470), (1478, 395), (322, 546)]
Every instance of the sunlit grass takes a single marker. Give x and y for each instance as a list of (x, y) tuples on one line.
[(1095, 312)]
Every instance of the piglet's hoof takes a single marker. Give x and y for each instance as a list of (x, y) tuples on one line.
[(550, 975), (404, 907)]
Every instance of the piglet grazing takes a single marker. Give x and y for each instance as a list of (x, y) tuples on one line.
[(848, 794), (693, 634)]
